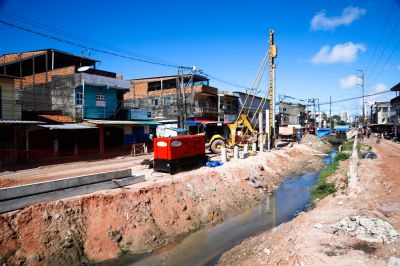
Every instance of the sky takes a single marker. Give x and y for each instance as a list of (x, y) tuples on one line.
[(321, 44)]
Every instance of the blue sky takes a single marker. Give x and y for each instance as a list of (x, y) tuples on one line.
[(228, 39)]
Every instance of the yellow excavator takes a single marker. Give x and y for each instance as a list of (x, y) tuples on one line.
[(229, 135)]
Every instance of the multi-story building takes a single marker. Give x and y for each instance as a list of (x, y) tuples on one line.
[(292, 114), (343, 116), (50, 80), (253, 105), (381, 113), (62, 89), (395, 116), (10, 105), (174, 97)]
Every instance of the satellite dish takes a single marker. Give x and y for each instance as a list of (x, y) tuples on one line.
[(83, 69)]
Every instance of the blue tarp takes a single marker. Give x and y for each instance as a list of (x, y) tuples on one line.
[(192, 123), (178, 129), (342, 128), (323, 132)]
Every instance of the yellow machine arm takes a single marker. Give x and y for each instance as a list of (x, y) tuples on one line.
[(243, 120)]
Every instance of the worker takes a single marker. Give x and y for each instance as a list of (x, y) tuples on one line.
[(298, 137)]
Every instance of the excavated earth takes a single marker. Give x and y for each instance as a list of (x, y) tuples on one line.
[(139, 218), (354, 226)]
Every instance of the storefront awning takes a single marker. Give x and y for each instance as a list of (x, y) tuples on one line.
[(67, 126), (122, 122)]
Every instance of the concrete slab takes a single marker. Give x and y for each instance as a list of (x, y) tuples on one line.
[(18, 203), (26, 190)]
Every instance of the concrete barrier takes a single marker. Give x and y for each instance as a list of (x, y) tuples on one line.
[(59, 189), (353, 165), (41, 187)]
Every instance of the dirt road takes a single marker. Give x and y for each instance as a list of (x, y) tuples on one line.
[(57, 171), (309, 239)]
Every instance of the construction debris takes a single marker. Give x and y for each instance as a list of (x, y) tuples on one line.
[(368, 229)]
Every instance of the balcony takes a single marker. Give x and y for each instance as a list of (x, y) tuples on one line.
[(200, 111)]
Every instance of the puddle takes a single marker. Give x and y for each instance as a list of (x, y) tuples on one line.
[(205, 246)]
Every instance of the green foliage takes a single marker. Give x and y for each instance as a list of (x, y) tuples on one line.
[(323, 188), (347, 146)]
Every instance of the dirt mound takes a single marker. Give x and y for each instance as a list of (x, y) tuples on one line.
[(142, 217)]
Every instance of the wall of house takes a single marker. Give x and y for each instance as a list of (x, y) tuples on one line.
[(10, 106), (96, 112), (62, 95)]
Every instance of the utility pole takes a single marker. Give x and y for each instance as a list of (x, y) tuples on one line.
[(273, 53), (360, 75), (330, 111)]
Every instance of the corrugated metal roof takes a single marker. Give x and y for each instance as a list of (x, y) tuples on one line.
[(67, 126), (121, 122), (19, 122)]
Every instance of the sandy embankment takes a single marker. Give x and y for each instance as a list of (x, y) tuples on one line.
[(139, 218)]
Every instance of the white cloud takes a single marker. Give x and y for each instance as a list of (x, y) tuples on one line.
[(340, 53), (321, 22), (379, 88), (377, 98), (349, 82)]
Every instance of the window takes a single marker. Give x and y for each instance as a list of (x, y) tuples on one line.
[(154, 102), (100, 100), (79, 98), (167, 101), (284, 109), (202, 103), (384, 109)]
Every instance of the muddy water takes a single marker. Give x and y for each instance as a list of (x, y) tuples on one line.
[(204, 247)]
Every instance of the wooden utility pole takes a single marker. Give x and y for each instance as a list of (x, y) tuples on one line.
[(330, 111), (273, 54), (361, 77)]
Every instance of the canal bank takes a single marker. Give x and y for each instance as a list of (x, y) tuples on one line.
[(143, 217), (313, 237)]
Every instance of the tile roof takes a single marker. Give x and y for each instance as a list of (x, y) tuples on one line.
[(58, 118)]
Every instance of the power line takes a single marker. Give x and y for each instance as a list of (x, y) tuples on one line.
[(358, 97), (77, 37), (173, 65), (386, 46), (380, 37), (387, 61), (90, 48)]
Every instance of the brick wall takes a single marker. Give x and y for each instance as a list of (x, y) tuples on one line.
[(41, 77), (13, 57)]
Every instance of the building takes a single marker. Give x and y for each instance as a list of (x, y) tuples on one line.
[(252, 106), (229, 106), (395, 115), (343, 116), (166, 96), (381, 113), (10, 104), (63, 90), (50, 80), (292, 114)]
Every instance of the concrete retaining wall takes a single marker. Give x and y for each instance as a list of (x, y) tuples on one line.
[(13, 198)]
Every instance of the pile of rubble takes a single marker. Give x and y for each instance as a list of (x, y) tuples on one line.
[(368, 229)]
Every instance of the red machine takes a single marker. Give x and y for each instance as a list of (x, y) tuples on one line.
[(179, 153)]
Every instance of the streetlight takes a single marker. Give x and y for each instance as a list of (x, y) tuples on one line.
[(83, 69)]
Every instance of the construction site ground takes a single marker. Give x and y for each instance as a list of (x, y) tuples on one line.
[(144, 216), (310, 239)]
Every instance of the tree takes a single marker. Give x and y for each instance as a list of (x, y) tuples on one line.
[(336, 118)]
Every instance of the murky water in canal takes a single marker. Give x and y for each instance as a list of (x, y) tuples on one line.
[(204, 247)]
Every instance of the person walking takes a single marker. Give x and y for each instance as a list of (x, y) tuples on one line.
[(298, 137)]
